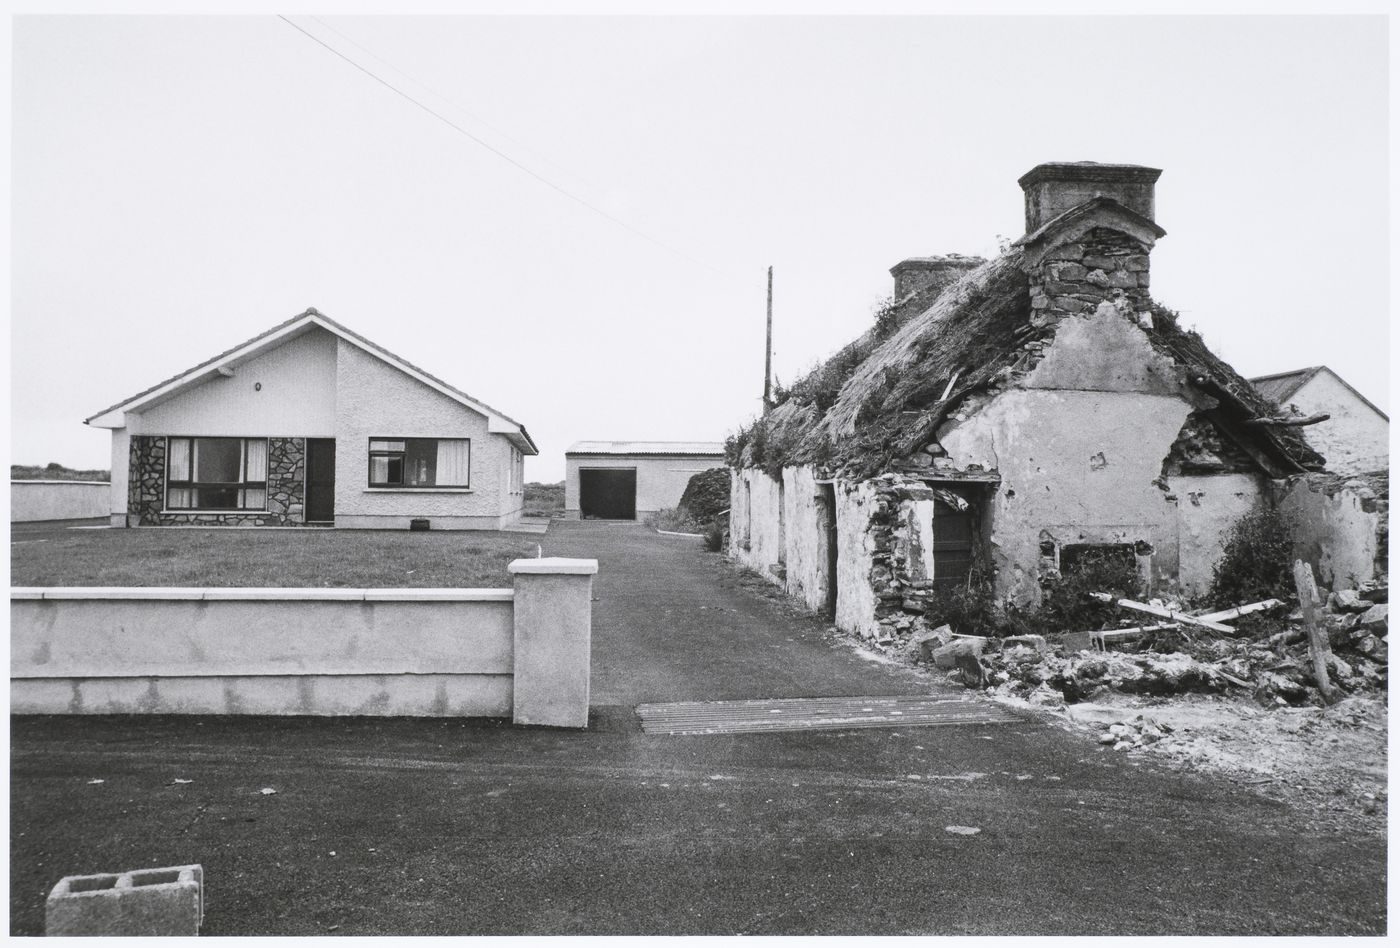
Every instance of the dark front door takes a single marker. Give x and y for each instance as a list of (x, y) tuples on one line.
[(954, 536), (608, 494), (320, 480)]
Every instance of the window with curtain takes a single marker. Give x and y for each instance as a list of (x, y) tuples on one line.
[(420, 462), (216, 474)]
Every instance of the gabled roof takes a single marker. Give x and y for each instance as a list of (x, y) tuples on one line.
[(702, 449), (1282, 386), (497, 423), (878, 400)]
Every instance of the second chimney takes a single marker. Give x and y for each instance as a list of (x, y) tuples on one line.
[(930, 275)]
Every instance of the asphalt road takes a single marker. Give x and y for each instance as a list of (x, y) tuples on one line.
[(447, 827)]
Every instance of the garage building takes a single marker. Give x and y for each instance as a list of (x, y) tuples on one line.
[(626, 480)]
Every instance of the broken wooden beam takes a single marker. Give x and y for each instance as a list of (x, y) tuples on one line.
[(1099, 638), (1291, 421), (1318, 646), (1163, 613), (1238, 611)]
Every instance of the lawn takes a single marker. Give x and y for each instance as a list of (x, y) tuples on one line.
[(266, 557)]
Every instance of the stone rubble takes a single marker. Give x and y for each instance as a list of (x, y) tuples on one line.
[(1276, 670)]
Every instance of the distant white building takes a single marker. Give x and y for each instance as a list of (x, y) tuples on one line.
[(1355, 439), (625, 480)]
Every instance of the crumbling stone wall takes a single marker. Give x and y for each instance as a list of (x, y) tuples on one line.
[(1200, 448), (1341, 526), (286, 487)]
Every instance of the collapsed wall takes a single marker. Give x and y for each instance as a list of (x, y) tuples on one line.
[(1340, 526)]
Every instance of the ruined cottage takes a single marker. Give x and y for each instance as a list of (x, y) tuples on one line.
[(1010, 419)]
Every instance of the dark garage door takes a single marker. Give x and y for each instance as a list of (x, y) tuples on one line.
[(608, 494)]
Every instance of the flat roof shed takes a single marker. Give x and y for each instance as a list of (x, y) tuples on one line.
[(625, 480)]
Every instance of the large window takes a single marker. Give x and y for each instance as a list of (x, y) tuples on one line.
[(216, 474), (419, 462)]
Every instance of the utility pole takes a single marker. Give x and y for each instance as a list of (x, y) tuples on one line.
[(768, 351)]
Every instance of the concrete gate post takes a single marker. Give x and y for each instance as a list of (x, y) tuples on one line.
[(553, 635)]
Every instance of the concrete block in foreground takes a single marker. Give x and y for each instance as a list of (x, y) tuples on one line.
[(167, 901)]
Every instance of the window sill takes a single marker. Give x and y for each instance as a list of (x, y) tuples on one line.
[(218, 510), (419, 490)]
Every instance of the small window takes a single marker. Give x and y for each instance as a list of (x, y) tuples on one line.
[(216, 474), (1076, 557), (419, 462)]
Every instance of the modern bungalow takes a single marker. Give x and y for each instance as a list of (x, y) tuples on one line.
[(1005, 421), (311, 424)]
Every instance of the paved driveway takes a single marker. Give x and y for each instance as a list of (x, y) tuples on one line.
[(673, 623), (448, 827)]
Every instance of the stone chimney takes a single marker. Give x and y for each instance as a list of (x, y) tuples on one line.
[(1089, 234), (930, 275), (1056, 186)]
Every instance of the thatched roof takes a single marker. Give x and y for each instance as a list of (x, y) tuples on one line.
[(882, 398)]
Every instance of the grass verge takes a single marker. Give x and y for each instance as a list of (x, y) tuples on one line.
[(269, 557)]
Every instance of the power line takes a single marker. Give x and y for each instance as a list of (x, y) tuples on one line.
[(505, 157), (456, 105)]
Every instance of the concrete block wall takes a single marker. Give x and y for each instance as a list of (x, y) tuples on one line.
[(428, 652), (33, 501)]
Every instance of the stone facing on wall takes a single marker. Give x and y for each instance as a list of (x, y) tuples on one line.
[(147, 481), (286, 487), (1103, 266)]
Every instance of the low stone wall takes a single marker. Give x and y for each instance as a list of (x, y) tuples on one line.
[(522, 652), (32, 501)]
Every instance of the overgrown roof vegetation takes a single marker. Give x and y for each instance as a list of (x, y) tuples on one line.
[(884, 395)]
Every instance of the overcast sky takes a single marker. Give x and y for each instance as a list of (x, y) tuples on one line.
[(183, 183)]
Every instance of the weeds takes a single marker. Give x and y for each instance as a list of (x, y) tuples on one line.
[(1257, 562)]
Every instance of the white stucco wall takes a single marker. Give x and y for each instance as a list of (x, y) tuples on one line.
[(121, 476), (375, 400), (855, 600), (297, 397), (1356, 438), (805, 537), (1208, 506), (660, 480), (1080, 451), (1334, 530), (756, 536)]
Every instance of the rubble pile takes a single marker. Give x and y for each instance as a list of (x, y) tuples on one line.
[(1276, 667)]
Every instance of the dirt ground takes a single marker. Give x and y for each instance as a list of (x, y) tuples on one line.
[(1328, 761)]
